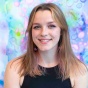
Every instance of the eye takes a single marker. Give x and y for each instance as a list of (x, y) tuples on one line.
[(36, 27), (51, 26)]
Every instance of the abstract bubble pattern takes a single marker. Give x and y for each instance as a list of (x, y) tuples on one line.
[(14, 16)]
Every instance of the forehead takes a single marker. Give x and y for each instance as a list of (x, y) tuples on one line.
[(44, 15)]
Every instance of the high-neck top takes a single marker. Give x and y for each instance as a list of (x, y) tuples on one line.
[(49, 80)]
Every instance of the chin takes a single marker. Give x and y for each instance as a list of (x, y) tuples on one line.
[(44, 49)]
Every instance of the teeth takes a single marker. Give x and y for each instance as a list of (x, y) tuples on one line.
[(44, 40)]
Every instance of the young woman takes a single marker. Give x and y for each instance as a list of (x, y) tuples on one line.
[(49, 61)]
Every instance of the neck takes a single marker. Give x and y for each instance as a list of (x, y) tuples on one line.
[(48, 58)]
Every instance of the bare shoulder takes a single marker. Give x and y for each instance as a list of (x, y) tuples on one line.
[(14, 65), (11, 76), (83, 71), (81, 78)]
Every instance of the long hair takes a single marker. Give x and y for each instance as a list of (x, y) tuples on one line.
[(67, 61)]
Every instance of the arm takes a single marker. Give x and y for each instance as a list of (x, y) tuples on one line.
[(81, 81), (11, 78)]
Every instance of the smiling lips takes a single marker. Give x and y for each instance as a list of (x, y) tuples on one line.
[(44, 41)]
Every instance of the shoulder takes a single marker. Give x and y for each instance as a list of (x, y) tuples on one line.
[(13, 67), (14, 64), (81, 80), (11, 76), (80, 77)]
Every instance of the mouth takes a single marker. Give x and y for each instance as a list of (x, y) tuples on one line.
[(44, 41)]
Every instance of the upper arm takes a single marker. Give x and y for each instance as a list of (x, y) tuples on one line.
[(11, 77), (81, 81)]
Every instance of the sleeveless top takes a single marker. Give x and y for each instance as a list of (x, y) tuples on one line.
[(48, 80)]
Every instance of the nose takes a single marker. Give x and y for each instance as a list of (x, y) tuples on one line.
[(44, 32)]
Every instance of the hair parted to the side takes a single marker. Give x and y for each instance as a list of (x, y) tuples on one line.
[(67, 62)]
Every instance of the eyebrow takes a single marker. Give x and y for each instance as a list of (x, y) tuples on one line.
[(47, 23)]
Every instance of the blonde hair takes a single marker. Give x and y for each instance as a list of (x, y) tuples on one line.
[(67, 61)]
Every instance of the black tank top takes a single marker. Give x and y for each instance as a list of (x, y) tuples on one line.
[(48, 80)]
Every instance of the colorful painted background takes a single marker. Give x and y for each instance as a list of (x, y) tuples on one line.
[(13, 23)]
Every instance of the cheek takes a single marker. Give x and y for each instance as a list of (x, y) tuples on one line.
[(35, 37), (56, 34), (35, 33), (57, 37)]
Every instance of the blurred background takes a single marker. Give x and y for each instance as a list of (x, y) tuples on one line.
[(14, 16)]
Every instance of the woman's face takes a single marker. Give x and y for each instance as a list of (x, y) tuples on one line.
[(45, 31)]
